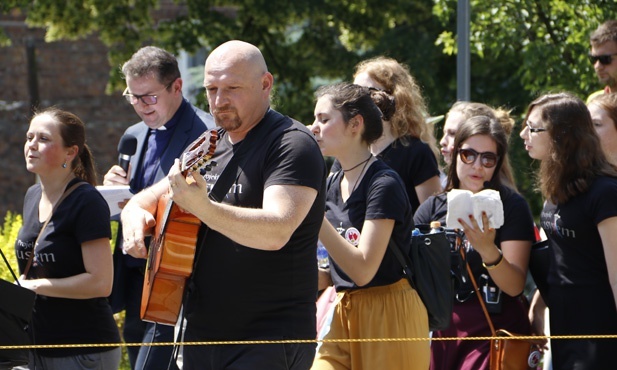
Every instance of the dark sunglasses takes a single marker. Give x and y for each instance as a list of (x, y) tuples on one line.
[(487, 159), (605, 59)]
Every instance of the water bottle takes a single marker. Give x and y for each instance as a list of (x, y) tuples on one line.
[(322, 256), (435, 227), (415, 232)]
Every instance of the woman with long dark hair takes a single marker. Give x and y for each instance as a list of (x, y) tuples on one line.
[(580, 220), (498, 257)]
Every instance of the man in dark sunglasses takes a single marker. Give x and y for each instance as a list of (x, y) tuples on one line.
[(603, 56)]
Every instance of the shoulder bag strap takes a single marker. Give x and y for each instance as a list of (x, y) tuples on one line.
[(64, 195), (398, 253), (479, 294), (404, 261), (331, 179), (234, 167), (6, 261)]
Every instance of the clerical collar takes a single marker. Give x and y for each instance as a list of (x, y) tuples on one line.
[(176, 117)]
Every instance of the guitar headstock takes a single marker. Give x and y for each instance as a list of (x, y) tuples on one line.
[(197, 155)]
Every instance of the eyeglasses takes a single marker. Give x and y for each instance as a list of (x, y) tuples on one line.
[(487, 159), (147, 99), (604, 59), (534, 129)]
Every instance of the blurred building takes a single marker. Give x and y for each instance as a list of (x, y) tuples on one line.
[(71, 75)]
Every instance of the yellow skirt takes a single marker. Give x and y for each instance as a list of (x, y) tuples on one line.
[(391, 311)]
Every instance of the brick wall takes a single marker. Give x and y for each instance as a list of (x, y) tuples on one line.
[(71, 75)]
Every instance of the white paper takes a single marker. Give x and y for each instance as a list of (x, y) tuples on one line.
[(462, 203), (114, 195)]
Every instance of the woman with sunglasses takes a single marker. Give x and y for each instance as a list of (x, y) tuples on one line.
[(498, 258), (366, 207), (460, 112), (580, 220)]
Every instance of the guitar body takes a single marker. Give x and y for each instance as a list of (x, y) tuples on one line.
[(172, 249), (170, 263)]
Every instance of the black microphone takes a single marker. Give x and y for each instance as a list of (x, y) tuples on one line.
[(126, 148)]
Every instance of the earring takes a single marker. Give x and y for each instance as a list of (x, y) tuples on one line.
[(64, 165)]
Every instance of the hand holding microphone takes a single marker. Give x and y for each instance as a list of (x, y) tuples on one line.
[(126, 148), (118, 175)]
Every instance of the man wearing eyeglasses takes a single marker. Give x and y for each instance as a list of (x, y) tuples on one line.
[(169, 124), (603, 56)]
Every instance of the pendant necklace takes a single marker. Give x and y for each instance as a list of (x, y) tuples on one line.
[(359, 164), (355, 185)]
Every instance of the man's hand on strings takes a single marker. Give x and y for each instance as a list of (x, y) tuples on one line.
[(190, 193)]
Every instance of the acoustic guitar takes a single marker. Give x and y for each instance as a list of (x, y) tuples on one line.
[(172, 248)]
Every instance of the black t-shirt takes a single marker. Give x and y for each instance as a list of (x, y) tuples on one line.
[(580, 294), (81, 217), (240, 292), (380, 195), (518, 225), (414, 161), (572, 230)]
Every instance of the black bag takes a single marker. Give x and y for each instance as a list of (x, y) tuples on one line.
[(430, 274), (16, 304), (15, 314)]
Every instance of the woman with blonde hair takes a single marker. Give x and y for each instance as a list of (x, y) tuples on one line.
[(407, 144), (603, 109)]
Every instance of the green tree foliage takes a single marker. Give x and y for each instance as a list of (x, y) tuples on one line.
[(519, 48), (8, 235), (542, 43), (523, 48), (305, 42)]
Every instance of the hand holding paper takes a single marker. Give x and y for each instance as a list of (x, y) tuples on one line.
[(116, 197), (462, 203)]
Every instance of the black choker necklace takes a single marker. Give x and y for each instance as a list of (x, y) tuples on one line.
[(359, 164)]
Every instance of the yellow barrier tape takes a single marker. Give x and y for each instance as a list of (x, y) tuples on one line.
[(290, 341)]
